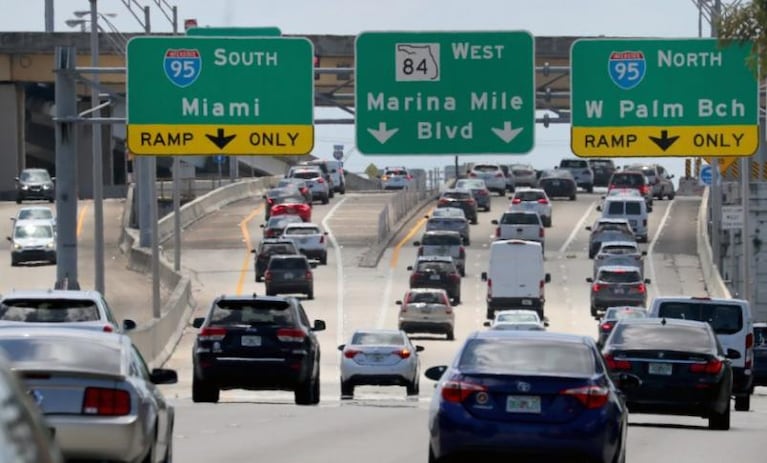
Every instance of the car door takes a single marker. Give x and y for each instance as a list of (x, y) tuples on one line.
[(154, 406)]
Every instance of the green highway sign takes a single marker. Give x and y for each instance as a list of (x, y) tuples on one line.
[(220, 95), (235, 31), (652, 97), (444, 92)]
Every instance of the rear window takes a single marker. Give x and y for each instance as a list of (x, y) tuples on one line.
[(288, 264), (520, 219), (434, 267), (601, 163), (528, 195), (628, 180), (615, 208), (633, 208), (446, 222), (441, 240), (723, 318), (760, 336), (306, 174), (486, 168), (302, 231), (517, 317), (660, 337), (573, 164), (622, 314), (457, 195), (426, 298), (278, 248), (369, 338), (291, 199), (64, 353), (396, 172), (49, 310), (281, 221), (502, 356), (471, 184), (619, 249), (252, 312), (622, 276)]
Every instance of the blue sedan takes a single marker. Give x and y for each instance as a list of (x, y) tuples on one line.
[(533, 394)]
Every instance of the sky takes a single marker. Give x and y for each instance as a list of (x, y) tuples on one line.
[(625, 18)]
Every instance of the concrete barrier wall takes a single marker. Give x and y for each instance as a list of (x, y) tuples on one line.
[(711, 276), (157, 339)]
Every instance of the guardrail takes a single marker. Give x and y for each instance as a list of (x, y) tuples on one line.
[(711, 276)]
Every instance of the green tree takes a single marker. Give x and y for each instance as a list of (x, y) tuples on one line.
[(741, 22)]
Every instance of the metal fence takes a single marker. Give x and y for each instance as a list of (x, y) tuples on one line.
[(404, 202)]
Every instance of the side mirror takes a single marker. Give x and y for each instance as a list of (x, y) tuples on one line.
[(53, 179), (647, 281), (262, 225), (416, 243), (644, 253), (13, 219), (341, 347), (589, 280), (511, 197), (627, 382), (426, 216), (588, 228), (671, 176), (253, 251), (398, 302), (483, 276), (263, 196), (163, 376), (197, 322), (545, 323), (732, 354), (599, 208), (325, 233), (319, 325), (333, 171), (128, 325), (487, 323), (494, 222), (313, 264), (547, 278), (410, 268), (419, 348), (435, 373), (9, 238)]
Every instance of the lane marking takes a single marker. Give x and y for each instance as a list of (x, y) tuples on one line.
[(406, 238), (248, 248), (339, 273), (578, 227), (651, 248), (81, 220)]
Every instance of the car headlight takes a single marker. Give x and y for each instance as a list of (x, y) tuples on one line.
[(50, 245), (16, 246), (46, 187), (24, 187)]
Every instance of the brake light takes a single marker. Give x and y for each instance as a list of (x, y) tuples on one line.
[(403, 353), (459, 391), (596, 287), (350, 353), (543, 201), (749, 340), (108, 329), (208, 333), (461, 251), (470, 202), (607, 326), (409, 177), (443, 201), (320, 180), (497, 232), (499, 175), (712, 367), (322, 239), (516, 201), (106, 402), (472, 175), (270, 200), (291, 335), (268, 275), (641, 288), (644, 189), (540, 232), (483, 192), (590, 396), (455, 278), (309, 275), (616, 364)]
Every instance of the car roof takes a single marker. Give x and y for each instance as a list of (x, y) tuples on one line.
[(533, 336), (517, 211), (303, 225), (442, 232), (632, 244), (35, 222), (703, 300), (434, 259), (289, 256), (621, 220), (534, 190), (34, 169), (615, 199), (277, 241), (618, 268), (51, 294), (252, 297), (426, 290), (664, 321)]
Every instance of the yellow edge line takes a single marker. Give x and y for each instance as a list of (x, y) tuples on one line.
[(246, 238), (81, 219), (406, 238)]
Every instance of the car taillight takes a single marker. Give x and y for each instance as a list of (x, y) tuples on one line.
[(409, 177), (644, 189), (472, 175), (596, 287), (641, 288), (483, 192), (590, 396), (749, 340), (291, 335), (350, 353), (455, 278), (462, 251), (516, 201), (616, 364), (499, 175), (403, 353), (215, 333), (322, 239), (270, 200), (712, 367), (268, 275), (309, 275), (108, 329), (607, 326), (443, 201), (458, 391), (470, 202), (497, 232), (320, 180), (540, 232), (106, 402), (543, 201)]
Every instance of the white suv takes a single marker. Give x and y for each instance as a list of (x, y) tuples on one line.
[(493, 176), (396, 178), (314, 180)]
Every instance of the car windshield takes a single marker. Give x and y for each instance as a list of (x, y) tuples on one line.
[(35, 176), (618, 250), (619, 276), (525, 356), (630, 336), (367, 338), (425, 297), (288, 182), (270, 249), (253, 311), (522, 171), (291, 199), (49, 310), (35, 214), (520, 219), (457, 195), (302, 231), (573, 164), (517, 317), (486, 169), (723, 318), (441, 240), (528, 195), (33, 231), (471, 184), (288, 264), (618, 227)]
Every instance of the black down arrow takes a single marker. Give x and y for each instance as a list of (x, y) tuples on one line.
[(664, 142), (220, 139)]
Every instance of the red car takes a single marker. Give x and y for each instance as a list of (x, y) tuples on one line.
[(300, 209)]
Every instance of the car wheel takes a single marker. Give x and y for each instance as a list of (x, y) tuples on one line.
[(467, 242), (343, 191), (720, 421), (259, 278), (671, 195), (14, 262), (573, 197), (331, 194), (432, 458), (324, 259), (594, 312), (457, 299), (204, 392), (50, 200), (413, 387), (310, 295), (308, 392), (325, 199), (590, 188), (547, 223), (450, 335), (743, 402), (462, 271), (18, 200), (474, 221), (490, 314), (347, 390), (270, 293)]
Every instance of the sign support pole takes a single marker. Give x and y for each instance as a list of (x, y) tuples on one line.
[(745, 235), (716, 213)]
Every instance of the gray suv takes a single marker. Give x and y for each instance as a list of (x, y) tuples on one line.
[(443, 243), (582, 172), (658, 178), (617, 285)]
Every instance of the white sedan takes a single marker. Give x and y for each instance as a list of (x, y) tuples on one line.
[(379, 358), (521, 320)]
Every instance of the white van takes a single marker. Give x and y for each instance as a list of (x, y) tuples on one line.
[(631, 208), (515, 277), (734, 327)]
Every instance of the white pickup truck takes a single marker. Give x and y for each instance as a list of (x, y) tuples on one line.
[(519, 225), (309, 239)]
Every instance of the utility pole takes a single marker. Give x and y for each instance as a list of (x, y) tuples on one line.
[(48, 15), (97, 159), (716, 187)]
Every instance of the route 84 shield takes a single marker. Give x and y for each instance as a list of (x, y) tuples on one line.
[(626, 68), (182, 66)]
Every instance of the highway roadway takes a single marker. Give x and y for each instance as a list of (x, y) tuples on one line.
[(381, 424)]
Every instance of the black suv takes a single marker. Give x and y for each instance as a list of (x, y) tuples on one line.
[(603, 170), (268, 248), (634, 180), (256, 343), (437, 272), (462, 199), (287, 274), (34, 184)]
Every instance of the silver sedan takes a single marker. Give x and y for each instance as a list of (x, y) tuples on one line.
[(95, 392)]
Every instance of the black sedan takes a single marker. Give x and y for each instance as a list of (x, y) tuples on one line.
[(558, 184), (682, 368), (256, 343)]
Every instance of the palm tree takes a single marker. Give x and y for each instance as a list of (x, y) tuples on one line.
[(740, 23)]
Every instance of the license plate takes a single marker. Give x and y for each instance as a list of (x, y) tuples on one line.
[(659, 369), (288, 276), (250, 341), (619, 291), (434, 277), (376, 357), (528, 205), (523, 404), (527, 302), (291, 210), (555, 183), (303, 240)]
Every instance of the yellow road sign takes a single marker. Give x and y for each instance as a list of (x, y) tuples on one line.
[(719, 140), (240, 140)]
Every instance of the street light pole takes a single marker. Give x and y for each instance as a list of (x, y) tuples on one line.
[(98, 174)]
